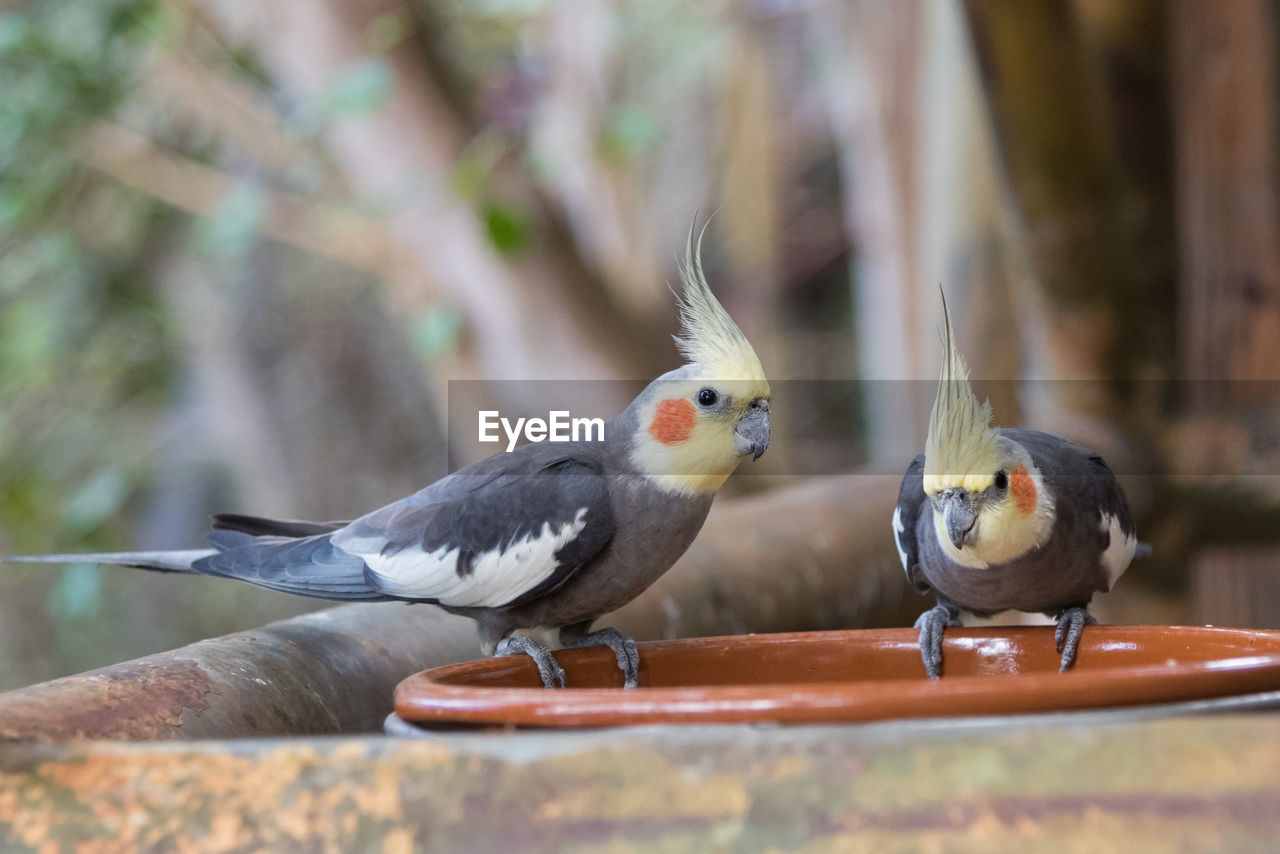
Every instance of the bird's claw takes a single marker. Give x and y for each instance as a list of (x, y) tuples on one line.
[(932, 624), (1067, 636), (551, 672), (624, 649)]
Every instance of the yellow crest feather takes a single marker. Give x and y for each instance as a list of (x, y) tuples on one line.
[(709, 338), (961, 448)]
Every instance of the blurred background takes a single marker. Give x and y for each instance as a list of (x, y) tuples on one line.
[(245, 247)]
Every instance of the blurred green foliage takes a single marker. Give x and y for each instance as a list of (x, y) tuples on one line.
[(93, 362), (361, 88), (629, 132), (79, 319), (507, 226), (81, 329), (436, 331), (64, 65), (356, 90), (233, 229)]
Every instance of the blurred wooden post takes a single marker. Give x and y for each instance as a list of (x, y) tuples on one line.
[(1103, 307), (1224, 60), (1236, 586), (1224, 94), (1045, 97)]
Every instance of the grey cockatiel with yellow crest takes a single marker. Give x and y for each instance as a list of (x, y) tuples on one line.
[(994, 519), (546, 536)]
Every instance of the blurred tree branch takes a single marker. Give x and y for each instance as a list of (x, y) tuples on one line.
[(553, 323), (190, 186), (223, 102), (1227, 139)]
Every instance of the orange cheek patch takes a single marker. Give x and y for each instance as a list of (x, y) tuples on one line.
[(1023, 490), (673, 421)]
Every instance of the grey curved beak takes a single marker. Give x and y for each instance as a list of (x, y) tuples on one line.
[(751, 436), (959, 515)]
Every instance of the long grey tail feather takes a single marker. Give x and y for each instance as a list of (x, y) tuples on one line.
[(1143, 550), (158, 561)]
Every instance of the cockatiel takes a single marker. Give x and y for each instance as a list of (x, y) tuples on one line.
[(549, 535), (993, 519)]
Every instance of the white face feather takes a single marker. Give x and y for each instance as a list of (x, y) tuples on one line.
[(701, 459), (1003, 532)]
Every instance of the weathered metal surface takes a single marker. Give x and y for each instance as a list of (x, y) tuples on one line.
[(327, 672), (1171, 785), (754, 568)]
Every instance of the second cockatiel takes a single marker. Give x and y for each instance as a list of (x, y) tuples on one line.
[(994, 519), (550, 535)]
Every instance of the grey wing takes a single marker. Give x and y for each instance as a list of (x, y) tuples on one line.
[(1097, 513), (497, 532), (306, 566), (1121, 541), (1110, 497), (497, 540), (906, 515), (1080, 472)]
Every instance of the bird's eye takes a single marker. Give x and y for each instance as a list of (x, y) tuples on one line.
[(1002, 480), (708, 397)]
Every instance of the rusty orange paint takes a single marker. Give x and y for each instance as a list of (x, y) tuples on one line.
[(673, 421), (1023, 490), (144, 699), (268, 681), (1199, 783)]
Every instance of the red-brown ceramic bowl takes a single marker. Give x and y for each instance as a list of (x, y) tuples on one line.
[(827, 677)]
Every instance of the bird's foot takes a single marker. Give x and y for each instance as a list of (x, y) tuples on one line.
[(932, 624), (1067, 636), (624, 649), (551, 672)]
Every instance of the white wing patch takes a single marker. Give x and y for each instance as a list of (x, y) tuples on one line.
[(499, 577), (1119, 552), (898, 530)]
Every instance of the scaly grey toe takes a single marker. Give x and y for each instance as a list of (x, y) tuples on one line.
[(932, 624), (551, 672), (1067, 636), (624, 649)]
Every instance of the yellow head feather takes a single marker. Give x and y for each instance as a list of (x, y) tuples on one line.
[(709, 338), (961, 448)]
